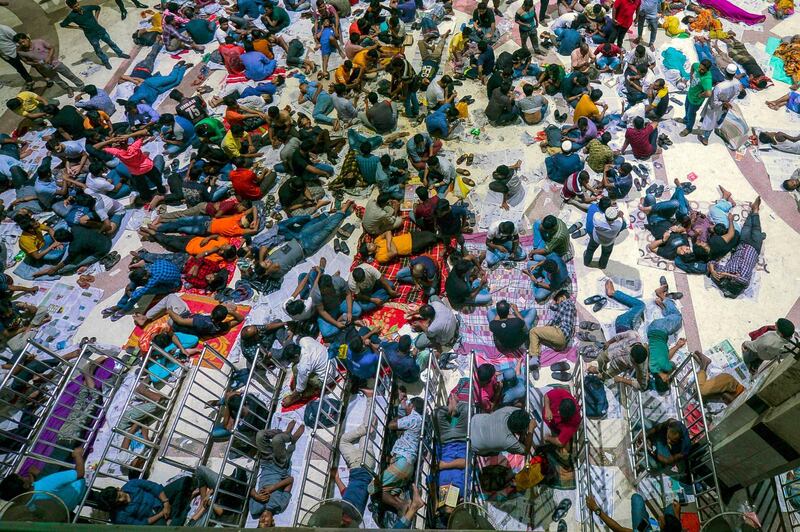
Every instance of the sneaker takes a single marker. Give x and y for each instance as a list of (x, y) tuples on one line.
[(107, 65), (123, 56)]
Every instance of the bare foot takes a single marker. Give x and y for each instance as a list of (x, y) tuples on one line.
[(756, 205), (610, 288), (726, 194), (661, 293), (322, 263)]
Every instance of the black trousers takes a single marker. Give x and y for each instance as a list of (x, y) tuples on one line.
[(605, 253), (19, 66)]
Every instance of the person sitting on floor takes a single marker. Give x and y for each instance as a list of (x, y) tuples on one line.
[(369, 288), (436, 323), (502, 243), (309, 360), (488, 390), (423, 273), (510, 332), (557, 334)]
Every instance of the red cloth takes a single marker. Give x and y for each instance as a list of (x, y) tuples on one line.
[(205, 267), (565, 429), (244, 183), (760, 331), (572, 187), (225, 207), (624, 10), (137, 161), (639, 140), (232, 57)]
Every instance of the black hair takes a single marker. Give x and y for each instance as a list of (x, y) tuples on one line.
[(219, 313), (518, 421), (485, 373), (422, 193), (292, 352), (549, 222), (427, 312), (502, 307), (566, 409), (63, 234), (418, 404), (162, 340), (11, 486), (108, 495), (785, 327), (404, 343), (638, 353), (138, 276), (359, 274), (638, 122)]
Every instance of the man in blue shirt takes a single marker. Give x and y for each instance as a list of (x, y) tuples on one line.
[(398, 355), (362, 361), (69, 485), (177, 132), (98, 100), (86, 19), (562, 165), (248, 8), (160, 277), (567, 39), (441, 123), (141, 502), (256, 65)]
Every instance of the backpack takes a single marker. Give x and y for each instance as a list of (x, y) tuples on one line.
[(325, 419), (595, 398)]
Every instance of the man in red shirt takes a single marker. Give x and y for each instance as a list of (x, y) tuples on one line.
[(424, 214), (232, 56), (561, 415), (247, 184), (643, 139), (623, 12), (145, 172)]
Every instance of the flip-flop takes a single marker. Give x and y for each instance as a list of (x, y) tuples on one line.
[(589, 352), (663, 281), (675, 295), (562, 376), (561, 510), (462, 158), (107, 312), (637, 184), (652, 189), (688, 188), (585, 336), (560, 366), (660, 191), (587, 325), (592, 300), (579, 233), (470, 158), (117, 316), (344, 247), (599, 305), (346, 230), (575, 227), (463, 171)]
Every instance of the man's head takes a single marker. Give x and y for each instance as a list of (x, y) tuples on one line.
[(561, 295), (595, 95), (404, 344), (427, 312), (791, 184), (527, 89), (14, 485), (785, 328), (674, 431), (549, 223), (518, 421), (73, 4), (640, 50), (359, 274), (584, 48), (638, 122), (506, 228), (139, 276), (566, 409), (219, 313), (638, 353), (731, 70), (502, 307), (415, 404), (266, 520), (237, 130), (23, 40), (292, 353), (485, 373)]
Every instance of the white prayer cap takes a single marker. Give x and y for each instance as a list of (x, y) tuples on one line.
[(612, 212), (731, 68), (566, 146)]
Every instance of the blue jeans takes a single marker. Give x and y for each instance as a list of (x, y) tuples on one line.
[(532, 70), (704, 52), (540, 294), (670, 322), (538, 240), (174, 149), (607, 62), (719, 212), (118, 174), (628, 320), (691, 114), (190, 225), (126, 304), (528, 316), (310, 232), (493, 256), (150, 89), (379, 293), (53, 256), (404, 277), (665, 210), (639, 513), (412, 104), (484, 297), (312, 277), (95, 40), (323, 108), (328, 329)]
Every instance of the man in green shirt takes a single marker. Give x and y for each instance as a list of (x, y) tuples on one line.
[(85, 18), (700, 84), (275, 18), (658, 333), (551, 235), (210, 130)]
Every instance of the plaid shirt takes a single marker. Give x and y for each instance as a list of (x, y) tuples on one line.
[(741, 264), (169, 32), (564, 317), (204, 267), (165, 277)]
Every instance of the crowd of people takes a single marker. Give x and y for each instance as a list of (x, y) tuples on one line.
[(240, 179)]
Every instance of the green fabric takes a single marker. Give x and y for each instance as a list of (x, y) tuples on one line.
[(216, 129), (698, 85), (674, 59), (778, 72), (659, 352)]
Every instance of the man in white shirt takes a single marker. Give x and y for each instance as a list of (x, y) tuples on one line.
[(401, 468), (502, 243), (769, 345), (720, 103), (300, 306), (607, 226), (435, 93), (437, 324), (309, 360), (369, 288)]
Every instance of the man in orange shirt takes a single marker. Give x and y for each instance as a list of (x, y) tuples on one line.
[(248, 184)]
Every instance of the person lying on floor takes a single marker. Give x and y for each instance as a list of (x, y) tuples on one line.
[(400, 471), (68, 486), (387, 247), (451, 422), (721, 387), (669, 520), (142, 502), (273, 490), (222, 319), (241, 224), (669, 445)]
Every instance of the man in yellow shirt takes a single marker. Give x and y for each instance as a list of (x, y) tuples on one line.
[(28, 105), (388, 247), (589, 107), (37, 245), (458, 46), (367, 61), (238, 143)]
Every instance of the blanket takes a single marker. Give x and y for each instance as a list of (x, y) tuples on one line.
[(778, 72), (141, 337), (409, 294), (638, 220), (513, 286)]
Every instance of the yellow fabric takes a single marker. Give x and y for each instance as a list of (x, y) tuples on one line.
[(30, 103), (790, 53), (585, 107), (463, 109), (784, 5), (672, 25), (462, 189), (457, 44), (402, 244), (32, 241), (705, 21), (231, 145), (155, 23)]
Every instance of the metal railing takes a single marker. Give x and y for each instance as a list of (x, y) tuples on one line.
[(435, 396), (239, 469), (638, 458), (78, 410), (147, 407), (316, 486), (378, 417), (29, 390), (189, 438), (581, 452), (701, 468)]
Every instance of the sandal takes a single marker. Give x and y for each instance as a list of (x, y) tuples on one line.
[(561, 510), (463, 171), (592, 300), (470, 158), (589, 325), (345, 231), (574, 227), (600, 304), (579, 233), (462, 158)]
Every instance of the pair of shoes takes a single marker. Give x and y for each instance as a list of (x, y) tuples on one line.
[(574, 227), (560, 117), (589, 326), (589, 352), (346, 230), (579, 233), (587, 336), (688, 187), (562, 376), (560, 367), (598, 301), (340, 246), (561, 510)]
